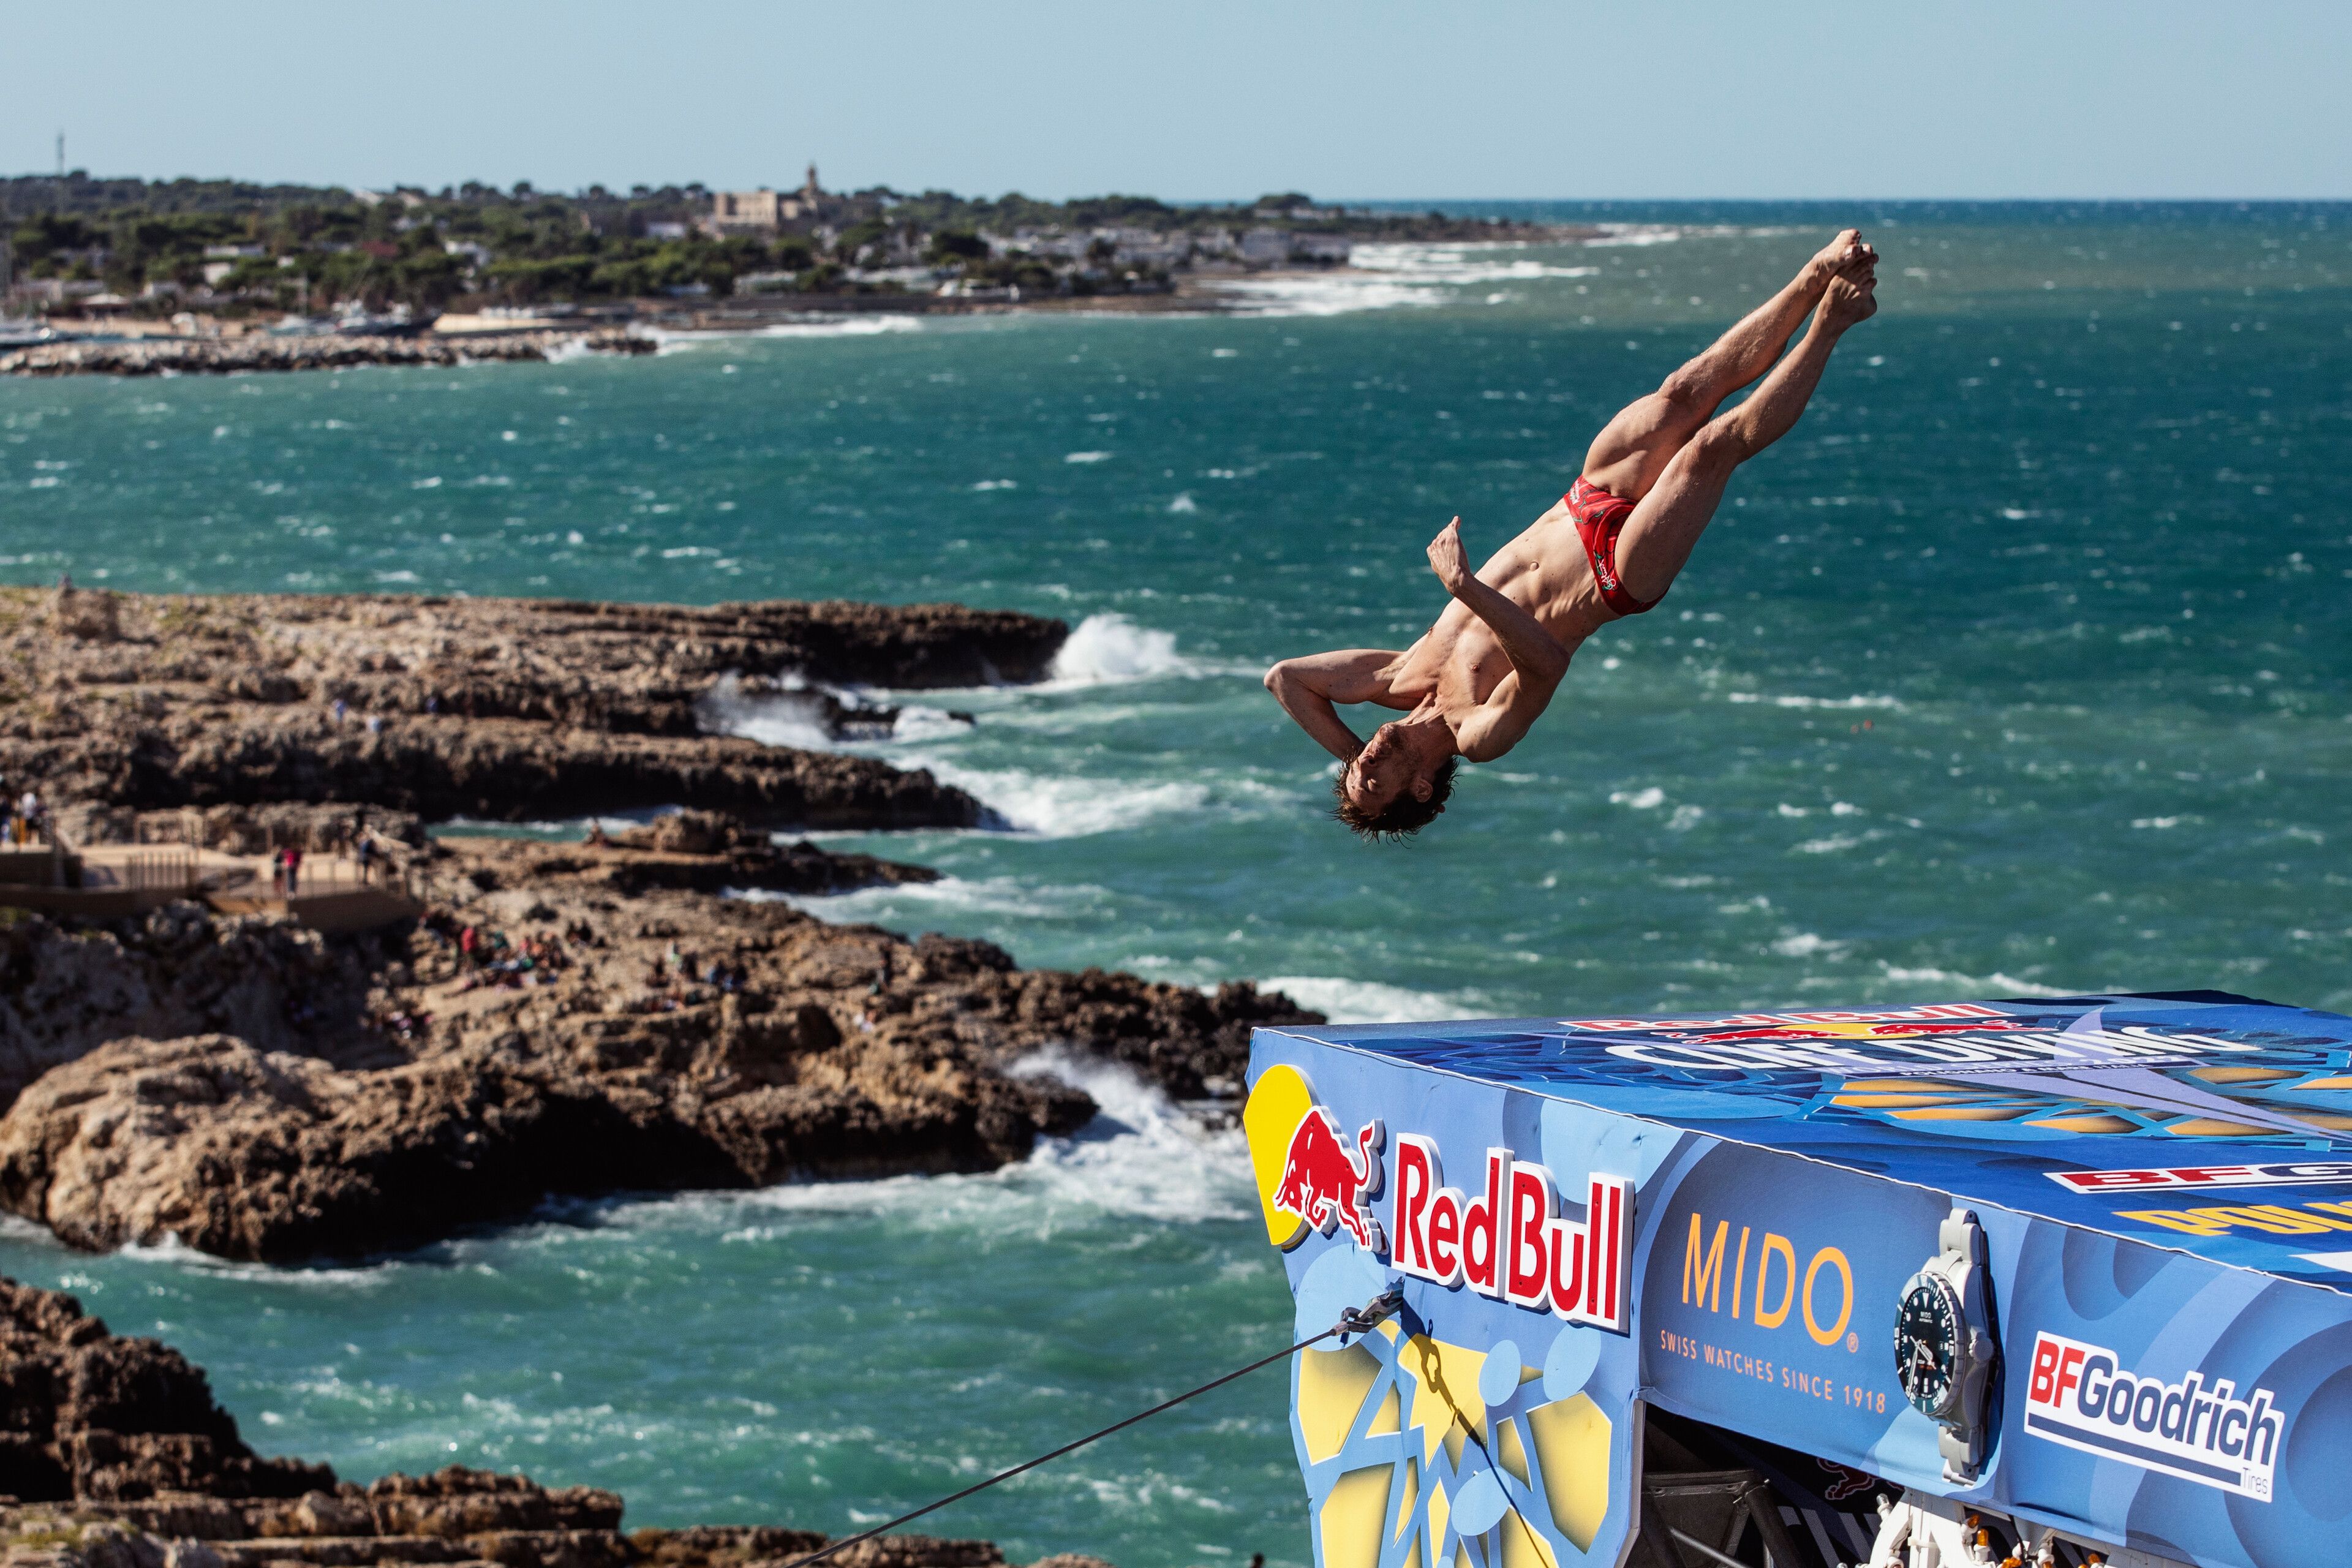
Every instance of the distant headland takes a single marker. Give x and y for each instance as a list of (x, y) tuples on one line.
[(127, 276)]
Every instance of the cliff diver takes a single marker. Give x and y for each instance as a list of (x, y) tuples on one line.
[(1611, 547)]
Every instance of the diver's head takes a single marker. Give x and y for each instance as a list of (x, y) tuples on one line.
[(1399, 783)]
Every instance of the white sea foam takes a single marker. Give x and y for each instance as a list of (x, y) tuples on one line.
[(1974, 984), (1856, 702), (1834, 844), (172, 1253), (1808, 944), (1110, 647), (778, 718), (1618, 234), (927, 900), (1061, 805), (1384, 277), (1462, 264), (670, 340), (918, 723), (1143, 1157), (565, 349), (1376, 1002), (843, 327)]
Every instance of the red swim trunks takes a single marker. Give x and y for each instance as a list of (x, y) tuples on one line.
[(1599, 518)]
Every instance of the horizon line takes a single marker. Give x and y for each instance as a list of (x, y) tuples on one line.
[(1196, 201)]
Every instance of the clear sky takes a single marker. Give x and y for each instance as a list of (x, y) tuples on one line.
[(1206, 98)]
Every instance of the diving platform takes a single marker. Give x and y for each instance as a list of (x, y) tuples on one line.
[(2060, 1279)]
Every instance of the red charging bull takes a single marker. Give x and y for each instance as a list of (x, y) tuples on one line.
[(1325, 1185)]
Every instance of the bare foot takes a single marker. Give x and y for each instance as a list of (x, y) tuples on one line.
[(1841, 253), (1846, 303)]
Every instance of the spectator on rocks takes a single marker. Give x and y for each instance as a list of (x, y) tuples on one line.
[(363, 856), (293, 869), (341, 707)]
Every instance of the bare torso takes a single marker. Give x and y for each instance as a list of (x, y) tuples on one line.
[(1459, 661)]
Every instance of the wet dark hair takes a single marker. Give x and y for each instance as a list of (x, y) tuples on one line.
[(1405, 815)]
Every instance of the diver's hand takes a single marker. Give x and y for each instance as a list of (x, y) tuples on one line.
[(1446, 559)]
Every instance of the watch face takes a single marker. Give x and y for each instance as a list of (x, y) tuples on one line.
[(1927, 1343)]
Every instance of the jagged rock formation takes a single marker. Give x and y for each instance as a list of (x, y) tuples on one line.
[(281, 987), (573, 1019), (220, 357), (696, 851), (500, 709), (84, 1414), (538, 1034), (113, 1453)]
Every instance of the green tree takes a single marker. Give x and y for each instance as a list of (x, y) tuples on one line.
[(950, 246)]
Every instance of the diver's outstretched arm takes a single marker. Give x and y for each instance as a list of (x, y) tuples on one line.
[(1307, 689)]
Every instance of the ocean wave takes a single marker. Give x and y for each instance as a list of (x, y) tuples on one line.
[(1060, 805), (986, 896), (674, 339), (1107, 648), (1618, 234), (843, 327), (788, 718), (918, 721), (1110, 647), (1465, 263), (172, 1253), (1976, 985), (1639, 233), (1337, 295), (566, 349), (1385, 277), (1143, 1157), (1374, 1002), (1856, 702)]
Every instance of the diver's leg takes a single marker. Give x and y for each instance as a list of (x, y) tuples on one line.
[(1632, 450), (1659, 534)]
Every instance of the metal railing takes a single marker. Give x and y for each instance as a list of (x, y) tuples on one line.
[(155, 871)]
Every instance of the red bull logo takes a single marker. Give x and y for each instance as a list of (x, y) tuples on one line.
[(1326, 1184), (1512, 1242), (1517, 1241)]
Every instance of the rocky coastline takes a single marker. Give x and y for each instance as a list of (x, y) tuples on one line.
[(114, 1453), (266, 351), (638, 1012), (496, 709)]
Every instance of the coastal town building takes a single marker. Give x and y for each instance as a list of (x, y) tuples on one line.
[(763, 211)]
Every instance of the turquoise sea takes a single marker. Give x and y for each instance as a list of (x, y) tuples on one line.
[(2023, 666)]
